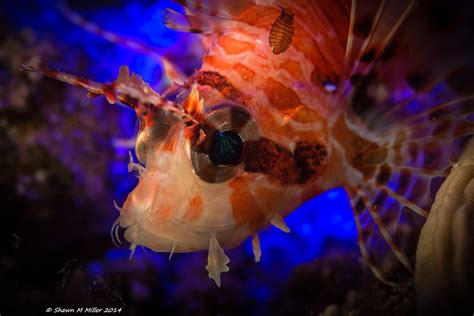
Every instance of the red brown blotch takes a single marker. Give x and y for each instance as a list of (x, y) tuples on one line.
[(413, 153), (359, 206), (287, 101), (272, 159), (367, 155), (82, 82), (284, 167), (419, 189), (109, 92), (194, 210), (309, 157), (216, 62), (384, 175), (221, 84), (432, 155), (463, 128), (404, 179), (294, 69), (363, 154), (245, 73), (281, 97), (442, 128), (149, 119), (268, 196), (245, 209), (169, 145), (163, 213), (233, 46)]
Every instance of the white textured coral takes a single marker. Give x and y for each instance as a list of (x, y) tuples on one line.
[(444, 275)]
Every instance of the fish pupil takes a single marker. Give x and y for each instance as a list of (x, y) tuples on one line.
[(226, 148)]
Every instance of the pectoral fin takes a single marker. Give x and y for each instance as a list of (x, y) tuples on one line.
[(216, 261)]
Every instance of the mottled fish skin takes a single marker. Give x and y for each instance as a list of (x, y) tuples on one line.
[(362, 96), (334, 108)]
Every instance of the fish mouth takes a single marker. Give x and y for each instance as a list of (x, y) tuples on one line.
[(184, 237)]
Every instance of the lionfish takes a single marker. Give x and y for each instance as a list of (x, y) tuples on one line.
[(366, 96)]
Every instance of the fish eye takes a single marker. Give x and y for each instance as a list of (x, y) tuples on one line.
[(220, 144), (226, 148)]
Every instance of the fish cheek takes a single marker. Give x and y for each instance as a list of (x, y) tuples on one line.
[(245, 208)]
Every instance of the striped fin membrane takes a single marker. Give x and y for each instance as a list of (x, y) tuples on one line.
[(415, 140), (209, 16)]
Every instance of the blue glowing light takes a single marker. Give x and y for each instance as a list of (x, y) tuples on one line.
[(95, 268), (322, 219)]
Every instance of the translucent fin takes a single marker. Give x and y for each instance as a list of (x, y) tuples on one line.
[(133, 247), (133, 166), (409, 95), (375, 249), (210, 7), (279, 223), (257, 251), (387, 17), (171, 252), (210, 16), (172, 72), (418, 147), (193, 104), (128, 89), (126, 143), (197, 22), (114, 232), (219, 8), (216, 261)]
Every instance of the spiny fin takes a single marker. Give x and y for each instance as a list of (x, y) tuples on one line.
[(257, 251), (172, 71), (210, 16), (193, 104), (410, 119), (219, 8), (279, 223), (114, 232), (216, 261), (118, 208), (171, 252), (380, 252), (133, 247), (197, 22), (398, 188), (209, 7), (133, 166), (126, 143)]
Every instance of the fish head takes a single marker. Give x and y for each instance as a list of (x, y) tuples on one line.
[(215, 176)]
